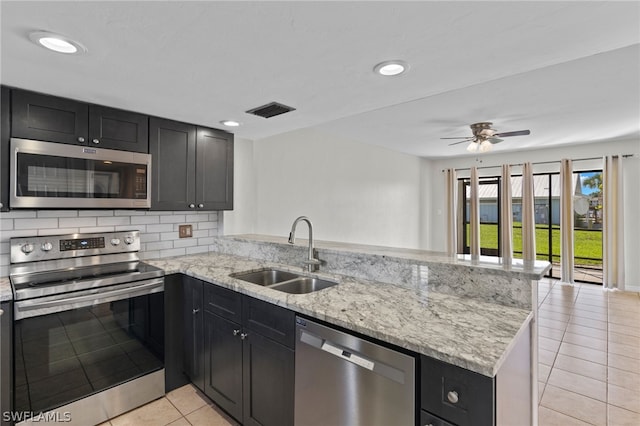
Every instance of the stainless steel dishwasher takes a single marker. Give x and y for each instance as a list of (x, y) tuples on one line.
[(343, 380)]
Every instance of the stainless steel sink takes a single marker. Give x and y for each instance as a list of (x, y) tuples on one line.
[(303, 285), (284, 281), (265, 277)]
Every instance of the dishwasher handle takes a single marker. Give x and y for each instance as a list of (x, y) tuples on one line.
[(348, 355)]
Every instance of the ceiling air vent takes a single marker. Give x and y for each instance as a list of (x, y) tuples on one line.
[(270, 110)]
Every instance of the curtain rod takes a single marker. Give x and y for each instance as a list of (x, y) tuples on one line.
[(542, 162)]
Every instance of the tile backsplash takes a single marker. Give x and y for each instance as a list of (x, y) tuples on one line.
[(158, 230)]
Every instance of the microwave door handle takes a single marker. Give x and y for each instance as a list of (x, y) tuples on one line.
[(27, 308)]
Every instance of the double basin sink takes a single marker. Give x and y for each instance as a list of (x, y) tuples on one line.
[(285, 281)]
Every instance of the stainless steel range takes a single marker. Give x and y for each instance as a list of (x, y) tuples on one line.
[(88, 327)]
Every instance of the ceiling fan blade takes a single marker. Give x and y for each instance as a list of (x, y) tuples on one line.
[(495, 140), (466, 140), (460, 137), (516, 133)]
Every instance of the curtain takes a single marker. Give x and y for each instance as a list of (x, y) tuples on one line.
[(528, 215), (612, 224), (474, 217), (452, 208), (566, 221), (506, 215)]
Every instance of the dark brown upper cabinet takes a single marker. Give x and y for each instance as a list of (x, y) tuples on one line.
[(53, 119), (5, 126), (192, 166)]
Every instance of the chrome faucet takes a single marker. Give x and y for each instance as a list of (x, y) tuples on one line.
[(313, 263)]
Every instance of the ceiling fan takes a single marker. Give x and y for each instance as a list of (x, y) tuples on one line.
[(484, 137)]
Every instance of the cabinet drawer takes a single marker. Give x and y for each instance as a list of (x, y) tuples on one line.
[(458, 395), (428, 419), (223, 302), (274, 322)]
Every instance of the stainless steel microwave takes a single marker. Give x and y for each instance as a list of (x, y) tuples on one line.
[(55, 175)]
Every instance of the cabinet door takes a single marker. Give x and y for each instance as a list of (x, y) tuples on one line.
[(174, 331), (48, 118), (173, 149), (117, 129), (5, 122), (6, 361), (193, 320), (214, 170), (268, 380), (223, 364)]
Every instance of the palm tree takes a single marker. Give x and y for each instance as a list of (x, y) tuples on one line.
[(595, 182)]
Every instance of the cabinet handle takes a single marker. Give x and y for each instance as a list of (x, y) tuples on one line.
[(192, 206), (452, 396), (80, 139), (96, 141), (244, 336), (200, 206), (236, 332), (195, 311)]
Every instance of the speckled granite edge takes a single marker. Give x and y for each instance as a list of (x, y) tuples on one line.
[(483, 279), (472, 334), (6, 293)]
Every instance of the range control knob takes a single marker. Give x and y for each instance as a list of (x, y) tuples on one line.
[(115, 241), (47, 246), (27, 248), (128, 240)]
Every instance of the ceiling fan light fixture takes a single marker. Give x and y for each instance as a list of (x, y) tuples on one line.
[(57, 43), (485, 146), (473, 147), (391, 68)]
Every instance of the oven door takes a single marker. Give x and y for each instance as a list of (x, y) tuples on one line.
[(70, 346), (45, 175)]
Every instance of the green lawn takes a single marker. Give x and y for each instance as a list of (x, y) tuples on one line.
[(587, 244)]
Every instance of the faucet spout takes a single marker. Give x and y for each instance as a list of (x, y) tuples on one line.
[(313, 264)]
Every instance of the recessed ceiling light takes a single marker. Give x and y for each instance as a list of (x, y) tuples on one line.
[(57, 42), (391, 68), (230, 123)]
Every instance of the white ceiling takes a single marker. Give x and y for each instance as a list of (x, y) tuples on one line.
[(569, 71)]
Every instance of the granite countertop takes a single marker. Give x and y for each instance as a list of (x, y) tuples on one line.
[(461, 331), (6, 293)]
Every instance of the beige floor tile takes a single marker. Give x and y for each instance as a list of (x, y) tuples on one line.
[(587, 331), (546, 357), (187, 399), (556, 316), (547, 417), (543, 372), (587, 341), (625, 350), (629, 321), (575, 405), (621, 417), (623, 307), (624, 398), (583, 352), (582, 367), (105, 424), (180, 422), (600, 325), (558, 325), (625, 339), (550, 333), (624, 329), (624, 363), (559, 309), (209, 416), (548, 344), (590, 314), (624, 379), (157, 413), (579, 384), (557, 302)]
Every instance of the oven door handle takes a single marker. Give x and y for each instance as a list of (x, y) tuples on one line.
[(37, 307)]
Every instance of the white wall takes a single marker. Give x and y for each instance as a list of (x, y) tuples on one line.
[(351, 192), (241, 220), (631, 186)]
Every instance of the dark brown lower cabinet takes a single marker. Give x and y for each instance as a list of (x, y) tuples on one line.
[(239, 351)]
